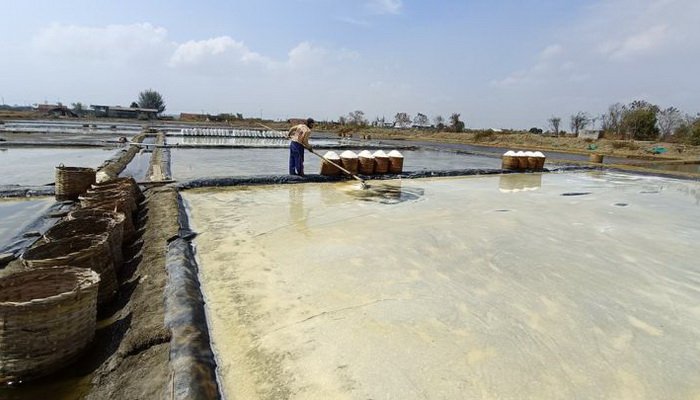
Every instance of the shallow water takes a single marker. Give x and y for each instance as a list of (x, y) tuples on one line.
[(197, 163), (36, 166), (138, 167), (16, 214), (471, 290)]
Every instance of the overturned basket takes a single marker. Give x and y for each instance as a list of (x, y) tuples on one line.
[(47, 317), (71, 182), (90, 251)]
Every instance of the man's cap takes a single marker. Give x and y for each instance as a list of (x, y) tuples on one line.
[(310, 121)]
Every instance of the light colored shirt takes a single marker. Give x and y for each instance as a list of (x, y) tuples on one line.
[(300, 134)]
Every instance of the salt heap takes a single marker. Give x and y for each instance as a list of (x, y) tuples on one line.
[(366, 162), (328, 169), (509, 161), (395, 162), (522, 159), (350, 161), (381, 162)]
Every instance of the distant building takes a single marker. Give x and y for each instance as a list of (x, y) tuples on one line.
[(124, 112), (55, 110)]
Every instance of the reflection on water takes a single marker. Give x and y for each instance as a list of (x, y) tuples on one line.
[(512, 183)]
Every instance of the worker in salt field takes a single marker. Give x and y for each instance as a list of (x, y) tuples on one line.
[(299, 136)]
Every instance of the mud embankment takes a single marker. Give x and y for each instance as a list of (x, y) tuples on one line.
[(138, 367)]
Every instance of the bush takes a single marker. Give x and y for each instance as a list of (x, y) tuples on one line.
[(484, 135), (623, 144)]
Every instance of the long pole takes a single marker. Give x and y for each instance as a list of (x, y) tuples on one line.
[(362, 181)]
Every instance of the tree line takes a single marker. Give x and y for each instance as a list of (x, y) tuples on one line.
[(638, 120), (404, 120)]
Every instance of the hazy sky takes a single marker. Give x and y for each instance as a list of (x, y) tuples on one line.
[(500, 63)]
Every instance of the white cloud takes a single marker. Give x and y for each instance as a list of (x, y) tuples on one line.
[(641, 43), (384, 6), (551, 51), (108, 43), (223, 50), (353, 21)]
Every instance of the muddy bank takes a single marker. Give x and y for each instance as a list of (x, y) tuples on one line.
[(138, 367), (114, 166)]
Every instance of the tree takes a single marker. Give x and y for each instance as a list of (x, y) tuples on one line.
[(439, 122), (402, 120), (580, 121), (611, 122), (455, 123), (357, 118), (77, 107), (134, 105), (554, 123), (669, 120), (421, 120), (342, 120), (379, 122), (535, 130), (151, 99), (639, 120)]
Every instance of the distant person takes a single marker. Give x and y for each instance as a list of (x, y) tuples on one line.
[(299, 136)]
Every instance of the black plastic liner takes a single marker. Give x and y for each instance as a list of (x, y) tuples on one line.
[(289, 179), (192, 362), (32, 232)]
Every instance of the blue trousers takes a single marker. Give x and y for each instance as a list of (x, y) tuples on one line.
[(296, 158)]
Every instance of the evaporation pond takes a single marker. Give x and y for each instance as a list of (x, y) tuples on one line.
[(16, 214), (36, 166), (468, 291), (198, 163)]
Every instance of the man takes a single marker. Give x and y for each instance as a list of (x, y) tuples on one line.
[(299, 136)]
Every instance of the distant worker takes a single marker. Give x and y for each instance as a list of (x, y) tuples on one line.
[(299, 136)]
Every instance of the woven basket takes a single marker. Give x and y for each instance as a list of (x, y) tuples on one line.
[(509, 162), (122, 183), (92, 226), (351, 164), (395, 165), (47, 317), (532, 162), (366, 165), (90, 251), (110, 202), (381, 165), (123, 224), (329, 169), (71, 182), (596, 158)]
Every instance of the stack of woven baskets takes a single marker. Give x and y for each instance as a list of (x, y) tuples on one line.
[(47, 312)]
